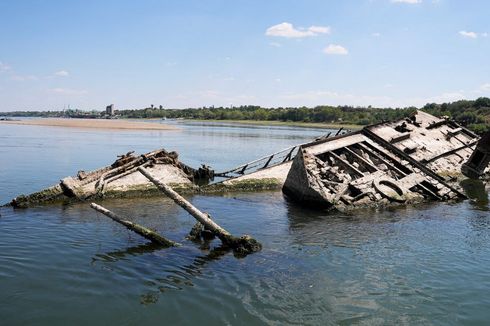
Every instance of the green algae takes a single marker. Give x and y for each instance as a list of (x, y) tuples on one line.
[(243, 185)]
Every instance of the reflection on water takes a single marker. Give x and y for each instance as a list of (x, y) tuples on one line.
[(426, 264), (114, 256), (173, 279), (475, 189)]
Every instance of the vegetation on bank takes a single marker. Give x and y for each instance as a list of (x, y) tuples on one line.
[(475, 114)]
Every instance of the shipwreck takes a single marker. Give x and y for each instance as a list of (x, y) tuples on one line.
[(406, 161), (416, 159), (419, 158), (120, 179)]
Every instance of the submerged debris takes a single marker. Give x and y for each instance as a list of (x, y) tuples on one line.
[(121, 178), (409, 160), (479, 160), (141, 230), (205, 228), (242, 246), (196, 232), (404, 161)]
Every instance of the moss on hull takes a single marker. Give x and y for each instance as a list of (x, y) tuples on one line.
[(244, 185), (148, 191), (55, 194), (49, 195)]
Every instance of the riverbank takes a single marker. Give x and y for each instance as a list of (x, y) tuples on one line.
[(93, 123), (284, 123)]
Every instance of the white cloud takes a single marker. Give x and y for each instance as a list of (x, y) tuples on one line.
[(24, 78), (210, 94), (4, 67), (319, 29), (311, 95), (61, 73), (410, 2), (68, 91), (330, 97), (288, 30), (484, 88), (446, 97), (485, 34), (468, 34), (335, 49), (376, 34), (275, 44), (319, 97), (212, 97)]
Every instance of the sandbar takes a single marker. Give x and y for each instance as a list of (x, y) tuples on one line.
[(93, 123)]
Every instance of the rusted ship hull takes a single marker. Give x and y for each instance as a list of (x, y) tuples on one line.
[(400, 162)]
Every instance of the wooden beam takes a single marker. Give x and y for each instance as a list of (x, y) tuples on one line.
[(141, 230), (242, 245), (362, 159), (369, 133), (347, 164)]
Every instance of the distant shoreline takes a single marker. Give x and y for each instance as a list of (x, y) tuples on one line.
[(284, 123), (93, 124)]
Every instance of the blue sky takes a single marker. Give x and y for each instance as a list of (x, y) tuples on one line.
[(185, 53)]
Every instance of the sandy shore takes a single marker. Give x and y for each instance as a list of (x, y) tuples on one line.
[(93, 123)]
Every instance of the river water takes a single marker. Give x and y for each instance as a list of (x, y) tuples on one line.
[(69, 265)]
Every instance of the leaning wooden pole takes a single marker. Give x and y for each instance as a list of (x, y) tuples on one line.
[(242, 245), (141, 230)]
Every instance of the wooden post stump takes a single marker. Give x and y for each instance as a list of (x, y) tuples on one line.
[(195, 233)]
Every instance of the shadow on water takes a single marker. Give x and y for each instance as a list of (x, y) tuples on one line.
[(176, 277), (478, 217), (114, 256), (313, 227)]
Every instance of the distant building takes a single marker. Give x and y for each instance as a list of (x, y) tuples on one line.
[(109, 110)]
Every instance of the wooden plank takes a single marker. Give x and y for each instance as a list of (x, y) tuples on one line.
[(382, 160), (347, 164), (362, 159), (412, 161), (141, 230)]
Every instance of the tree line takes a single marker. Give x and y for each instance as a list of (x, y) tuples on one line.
[(474, 114)]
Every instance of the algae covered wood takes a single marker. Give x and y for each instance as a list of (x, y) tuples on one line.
[(120, 179), (242, 245), (141, 230)]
